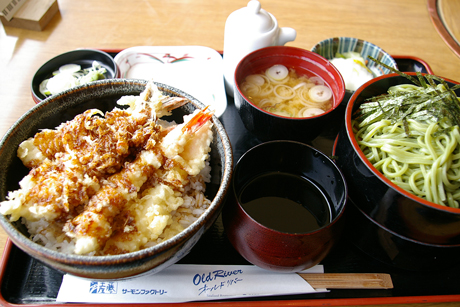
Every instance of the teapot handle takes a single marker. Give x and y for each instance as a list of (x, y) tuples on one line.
[(286, 35)]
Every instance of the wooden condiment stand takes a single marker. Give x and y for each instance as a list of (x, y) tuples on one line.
[(33, 15)]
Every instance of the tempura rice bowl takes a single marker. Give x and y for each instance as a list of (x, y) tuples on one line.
[(103, 96)]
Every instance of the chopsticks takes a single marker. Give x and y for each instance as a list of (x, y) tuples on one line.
[(348, 280)]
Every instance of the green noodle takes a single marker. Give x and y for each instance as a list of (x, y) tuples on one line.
[(410, 143)]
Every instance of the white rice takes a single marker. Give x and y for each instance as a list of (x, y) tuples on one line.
[(195, 204)]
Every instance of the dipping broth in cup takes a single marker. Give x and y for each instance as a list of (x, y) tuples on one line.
[(286, 202), (285, 208)]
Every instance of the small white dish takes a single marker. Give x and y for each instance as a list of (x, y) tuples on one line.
[(196, 70)]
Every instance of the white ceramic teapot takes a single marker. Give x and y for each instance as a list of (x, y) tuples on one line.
[(248, 29)]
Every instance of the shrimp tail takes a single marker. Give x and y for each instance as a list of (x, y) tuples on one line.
[(171, 103), (197, 121), (152, 102)]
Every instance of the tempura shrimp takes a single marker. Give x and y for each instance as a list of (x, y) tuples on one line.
[(185, 149), (182, 152)]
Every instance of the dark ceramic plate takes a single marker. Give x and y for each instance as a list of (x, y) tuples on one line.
[(27, 282)]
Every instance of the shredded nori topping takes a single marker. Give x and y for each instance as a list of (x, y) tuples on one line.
[(434, 100)]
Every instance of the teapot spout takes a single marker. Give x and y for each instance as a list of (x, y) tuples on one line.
[(286, 35)]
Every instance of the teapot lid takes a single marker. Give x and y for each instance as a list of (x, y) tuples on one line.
[(254, 17)]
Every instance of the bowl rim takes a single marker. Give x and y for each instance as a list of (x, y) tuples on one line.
[(358, 151), (38, 99), (317, 58), (331, 39), (300, 234), (192, 229)]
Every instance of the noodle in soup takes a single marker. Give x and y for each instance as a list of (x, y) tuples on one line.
[(284, 92)]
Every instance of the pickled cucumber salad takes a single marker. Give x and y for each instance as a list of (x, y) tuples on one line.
[(282, 91), (71, 75), (353, 69)]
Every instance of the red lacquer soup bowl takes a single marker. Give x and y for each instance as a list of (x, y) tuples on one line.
[(267, 126)]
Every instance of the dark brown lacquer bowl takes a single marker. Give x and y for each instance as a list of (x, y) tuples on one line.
[(267, 126), (275, 249), (401, 228), (103, 95)]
